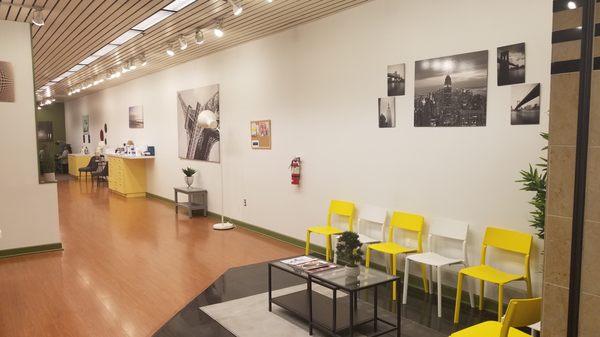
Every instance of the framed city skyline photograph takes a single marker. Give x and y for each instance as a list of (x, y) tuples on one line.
[(396, 79), (525, 104), (511, 64), (387, 112), (451, 91)]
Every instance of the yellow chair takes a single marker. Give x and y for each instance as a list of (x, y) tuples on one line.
[(336, 207), (520, 313), (405, 222), (503, 239)]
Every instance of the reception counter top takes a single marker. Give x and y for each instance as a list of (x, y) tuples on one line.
[(125, 156)]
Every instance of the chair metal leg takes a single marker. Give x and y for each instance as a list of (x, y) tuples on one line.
[(438, 270), (481, 294), (430, 279), (424, 276), (458, 297), (394, 261), (500, 301), (405, 285), (529, 291), (307, 249), (368, 257), (327, 247)]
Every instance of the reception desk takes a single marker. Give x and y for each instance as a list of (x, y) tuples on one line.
[(76, 161), (127, 175)]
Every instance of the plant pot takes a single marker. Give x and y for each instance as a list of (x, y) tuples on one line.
[(352, 272), (189, 181)]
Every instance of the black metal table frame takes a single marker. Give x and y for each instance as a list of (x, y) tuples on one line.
[(352, 295)]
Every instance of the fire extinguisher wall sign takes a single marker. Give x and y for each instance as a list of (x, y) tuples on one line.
[(295, 167)]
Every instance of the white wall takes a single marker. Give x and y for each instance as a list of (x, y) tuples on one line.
[(28, 210), (319, 84)]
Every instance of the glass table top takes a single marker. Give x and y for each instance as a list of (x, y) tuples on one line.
[(368, 277)]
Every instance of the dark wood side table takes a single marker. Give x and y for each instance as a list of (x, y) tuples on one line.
[(197, 200)]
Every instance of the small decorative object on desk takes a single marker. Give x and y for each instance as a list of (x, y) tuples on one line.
[(189, 176), (348, 252)]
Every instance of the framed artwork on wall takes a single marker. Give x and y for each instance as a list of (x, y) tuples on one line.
[(7, 82), (136, 117), (525, 104), (396, 79), (260, 134), (387, 112), (85, 123), (44, 131), (451, 90), (511, 64), (195, 142)]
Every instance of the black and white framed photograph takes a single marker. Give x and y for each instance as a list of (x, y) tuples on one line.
[(511, 64), (525, 104), (387, 112), (196, 142), (136, 117), (452, 90), (396, 78)]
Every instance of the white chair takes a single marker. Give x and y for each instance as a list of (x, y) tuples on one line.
[(368, 218), (447, 229)]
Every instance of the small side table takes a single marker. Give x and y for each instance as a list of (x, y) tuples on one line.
[(197, 200)]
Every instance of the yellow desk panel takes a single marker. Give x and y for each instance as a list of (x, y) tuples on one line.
[(127, 176), (77, 161)]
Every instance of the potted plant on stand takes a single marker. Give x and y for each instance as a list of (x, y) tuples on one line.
[(349, 252), (189, 176)]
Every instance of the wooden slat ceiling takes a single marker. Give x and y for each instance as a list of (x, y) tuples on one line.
[(75, 30)]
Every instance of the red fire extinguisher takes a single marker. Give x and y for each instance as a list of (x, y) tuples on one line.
[(295, 167)]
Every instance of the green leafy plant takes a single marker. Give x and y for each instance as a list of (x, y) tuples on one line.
[(535, 180), (348, 249), (189, 171)]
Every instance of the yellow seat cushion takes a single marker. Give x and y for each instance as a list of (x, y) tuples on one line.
[(487, 329), (490, 274), (325, 230), (391, 248)]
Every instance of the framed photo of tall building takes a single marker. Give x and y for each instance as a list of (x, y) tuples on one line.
[(387, 112), (451, 90)]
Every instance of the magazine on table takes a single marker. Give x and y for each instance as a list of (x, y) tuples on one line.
[(309, 264)]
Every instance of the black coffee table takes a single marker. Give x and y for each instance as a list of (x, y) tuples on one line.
[(336, 315)]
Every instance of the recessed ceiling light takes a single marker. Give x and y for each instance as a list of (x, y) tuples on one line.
[(89, 59), (153, 20), (128, 35), (105, 50), (178, 5), (571, 5), (77, 68)]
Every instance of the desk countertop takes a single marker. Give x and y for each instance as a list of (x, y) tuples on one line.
[(79, 155), (124, 156)]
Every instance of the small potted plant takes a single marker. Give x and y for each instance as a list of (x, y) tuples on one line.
[(349, 253), (189, 176)]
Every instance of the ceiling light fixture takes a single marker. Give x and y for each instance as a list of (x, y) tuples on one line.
[(236, 7), (218, 30), (571, 5), (37, 17), (199, 37), (182, 42), (169, 50)]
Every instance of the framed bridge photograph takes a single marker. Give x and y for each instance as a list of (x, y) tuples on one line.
[(511, 64)]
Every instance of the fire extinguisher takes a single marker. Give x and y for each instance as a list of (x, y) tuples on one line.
[(295, 167)]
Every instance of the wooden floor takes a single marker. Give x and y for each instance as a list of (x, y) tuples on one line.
[(127, 267)]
